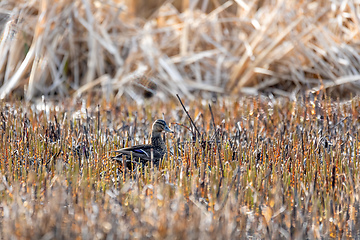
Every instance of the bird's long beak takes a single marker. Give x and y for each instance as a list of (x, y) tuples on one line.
[(167, 129)]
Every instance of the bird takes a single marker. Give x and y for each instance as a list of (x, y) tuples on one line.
[(144, 154)]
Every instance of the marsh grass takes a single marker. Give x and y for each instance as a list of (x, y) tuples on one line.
[(289, 170), (281, 48)]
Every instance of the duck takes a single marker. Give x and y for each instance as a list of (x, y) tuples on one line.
[(145, 153)]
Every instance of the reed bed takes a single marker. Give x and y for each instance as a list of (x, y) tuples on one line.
[(280, 48), (267, 170)]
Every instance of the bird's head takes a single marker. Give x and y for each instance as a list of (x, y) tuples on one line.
[(159, 126)]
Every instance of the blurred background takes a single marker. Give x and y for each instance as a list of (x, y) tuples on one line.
[(195, 48)]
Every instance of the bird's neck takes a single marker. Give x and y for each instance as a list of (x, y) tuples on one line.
[(156, 140)]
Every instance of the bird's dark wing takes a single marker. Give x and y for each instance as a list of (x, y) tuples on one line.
[(140, 151)]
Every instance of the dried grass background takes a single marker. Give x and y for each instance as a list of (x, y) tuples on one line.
[(68, 48), (283, 170)]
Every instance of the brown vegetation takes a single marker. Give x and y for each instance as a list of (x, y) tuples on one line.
[(261, 167), (67, 48), (282, 170)]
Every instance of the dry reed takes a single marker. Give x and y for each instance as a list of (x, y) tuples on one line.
[(69, 48)]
